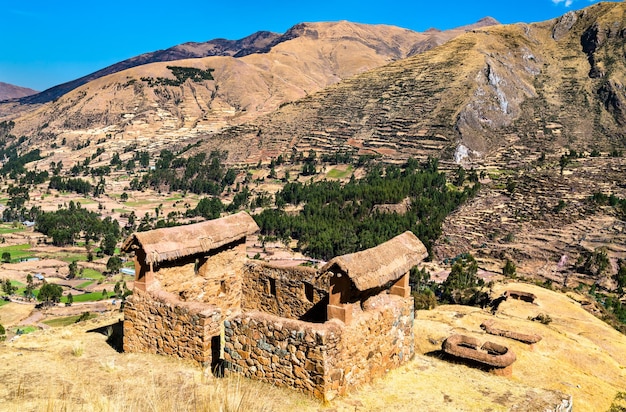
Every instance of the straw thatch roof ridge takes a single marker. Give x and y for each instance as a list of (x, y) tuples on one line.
[(381, 264), (173, 243)]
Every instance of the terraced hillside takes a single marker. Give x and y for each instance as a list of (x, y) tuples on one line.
[(149, 103), (501, 94), (545, 222)]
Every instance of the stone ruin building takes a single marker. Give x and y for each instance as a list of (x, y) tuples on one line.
[(197, 296)]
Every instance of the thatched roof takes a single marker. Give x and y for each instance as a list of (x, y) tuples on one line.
[(177, 242), (382, 264)]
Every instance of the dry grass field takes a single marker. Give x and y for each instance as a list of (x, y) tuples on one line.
[(74, 368)]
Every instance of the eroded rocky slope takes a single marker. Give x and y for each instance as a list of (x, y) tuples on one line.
[(501, 93)]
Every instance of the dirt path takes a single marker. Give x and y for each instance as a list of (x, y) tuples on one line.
[(35, 319)]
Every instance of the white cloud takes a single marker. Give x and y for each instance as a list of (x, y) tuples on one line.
[(568, 3)]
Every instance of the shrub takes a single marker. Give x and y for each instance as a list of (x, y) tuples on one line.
[(424, 300), (83, 317), (509, 269), (542, 317)]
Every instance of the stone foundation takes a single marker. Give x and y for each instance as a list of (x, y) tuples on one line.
[(280, 351), (378, 338)]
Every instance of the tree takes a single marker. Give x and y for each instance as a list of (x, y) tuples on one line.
[(104, 294), (460, 176), (510, 185), (8, 288), (70, 299), (509, 269), (463, 273), (563, 162), (50, 292), (620, 277), (118, 290), (73, 267), (461, 286), (108, 243), (3, 333), (6, 257), (419, 278), (114, 264), (30, 286)]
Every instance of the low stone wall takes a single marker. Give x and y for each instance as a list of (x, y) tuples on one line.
[(157, 322), (379, 337), (324, 359), (287, 292)]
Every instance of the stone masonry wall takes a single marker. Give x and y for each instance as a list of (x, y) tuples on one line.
[(379, 337), (286, 292), (280, 351), (214, 279), (157, 322), (324, 359)]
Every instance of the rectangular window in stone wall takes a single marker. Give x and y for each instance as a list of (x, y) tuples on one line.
[(271, 286), (308, 291)]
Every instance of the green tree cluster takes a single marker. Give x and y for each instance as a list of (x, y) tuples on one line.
[(70, 185), (463, 286), (197, 174), (336, 219), (8, 288), (49, 292), (66, 226)]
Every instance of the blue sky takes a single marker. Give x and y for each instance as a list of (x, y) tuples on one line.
[(46, 43)]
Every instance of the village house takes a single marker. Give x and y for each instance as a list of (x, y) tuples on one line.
[(198, 296)]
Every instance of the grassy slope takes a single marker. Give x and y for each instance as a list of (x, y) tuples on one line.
[(579, 356)]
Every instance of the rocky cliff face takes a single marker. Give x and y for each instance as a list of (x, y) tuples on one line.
[(536, 88)]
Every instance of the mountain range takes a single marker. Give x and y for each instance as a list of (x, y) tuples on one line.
[(250, 77), (469, 94), (10, 91)]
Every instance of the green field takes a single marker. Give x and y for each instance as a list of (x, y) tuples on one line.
[(85, 284), (3, 302), (142, 203), (89, 273), (17, 252), (86, 297), (6, 229), (340, 174), (70, 257), (66, 321), (25, 329)]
